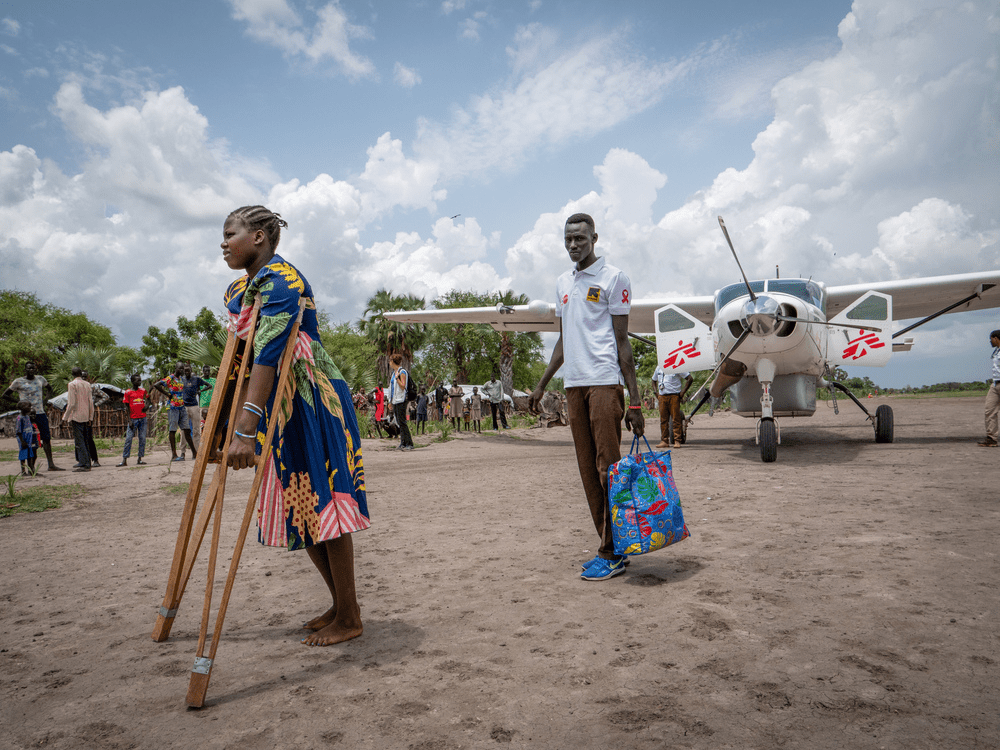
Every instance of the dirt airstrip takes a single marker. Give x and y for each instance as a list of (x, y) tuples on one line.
[(843, 597)]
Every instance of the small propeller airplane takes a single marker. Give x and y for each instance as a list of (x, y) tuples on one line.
[(769, 342)]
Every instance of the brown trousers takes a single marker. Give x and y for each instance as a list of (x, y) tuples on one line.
[(670, 407), (595, 420)]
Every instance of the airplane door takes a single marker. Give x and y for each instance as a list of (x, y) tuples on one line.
[(683, 343), (857, 347)]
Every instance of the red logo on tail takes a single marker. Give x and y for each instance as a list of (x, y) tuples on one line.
[(680, 355), (859, 347)]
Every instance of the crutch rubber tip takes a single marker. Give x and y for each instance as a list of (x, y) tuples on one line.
[(197, 689)]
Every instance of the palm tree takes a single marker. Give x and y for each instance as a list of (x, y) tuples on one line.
[(389, 336), (507, 343), (205, 351), (105, 364)]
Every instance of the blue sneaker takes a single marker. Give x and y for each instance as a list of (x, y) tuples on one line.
[(604, 569), (590, 563)]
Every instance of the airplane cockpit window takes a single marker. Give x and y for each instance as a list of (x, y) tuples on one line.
[(807, 291), (671, 320), (728, 293), (873, 308)]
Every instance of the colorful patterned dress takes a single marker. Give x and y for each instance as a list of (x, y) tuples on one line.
[(314, 480)]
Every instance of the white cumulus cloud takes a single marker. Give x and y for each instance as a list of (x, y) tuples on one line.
[(404, 76), (277, 23), (609, 84)]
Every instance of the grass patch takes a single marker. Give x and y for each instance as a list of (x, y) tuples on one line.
[(37, 499), (178, 489), (105, 447), (946, 394), (445, 435)]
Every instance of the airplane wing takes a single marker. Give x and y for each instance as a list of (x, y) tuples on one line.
[(911, 298), (918, 298), (540, 315)]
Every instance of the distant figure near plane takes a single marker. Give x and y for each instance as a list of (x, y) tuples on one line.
[(993, 394)]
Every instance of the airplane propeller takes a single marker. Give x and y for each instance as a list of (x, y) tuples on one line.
[(745, 280)]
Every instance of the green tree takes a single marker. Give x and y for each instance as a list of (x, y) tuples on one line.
[(161, 349), (206, 326), (509, 341), (39, 332), (469, 353), (204, 339), (389, 336), (354, 354)]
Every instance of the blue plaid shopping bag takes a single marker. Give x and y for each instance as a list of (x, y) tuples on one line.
[(645, 507)]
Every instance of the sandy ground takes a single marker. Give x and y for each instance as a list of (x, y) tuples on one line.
[(843, 597)]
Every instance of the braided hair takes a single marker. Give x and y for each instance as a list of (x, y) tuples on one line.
[(258, 217)]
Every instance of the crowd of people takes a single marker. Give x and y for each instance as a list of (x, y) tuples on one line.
[(188, 397), (443, 404)]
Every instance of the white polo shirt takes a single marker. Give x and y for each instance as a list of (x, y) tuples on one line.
[(669, 383), (585, 302)]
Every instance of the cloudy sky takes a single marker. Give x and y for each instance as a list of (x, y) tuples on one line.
[(425, 145)]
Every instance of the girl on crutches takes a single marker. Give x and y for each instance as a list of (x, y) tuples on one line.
[(313, 491)]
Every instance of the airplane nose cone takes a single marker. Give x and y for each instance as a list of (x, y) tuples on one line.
[(760, 316)]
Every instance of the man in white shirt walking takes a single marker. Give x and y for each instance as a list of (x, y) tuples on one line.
[(592, 303), (993, 394), (671, 387)]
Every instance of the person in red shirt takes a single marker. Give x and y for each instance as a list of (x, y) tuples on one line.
[(136, 400)]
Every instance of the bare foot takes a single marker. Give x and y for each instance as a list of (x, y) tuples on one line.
[(335, 632), (318, 623)]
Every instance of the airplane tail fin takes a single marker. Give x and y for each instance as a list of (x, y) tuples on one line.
[(856, 346), (683, 343)]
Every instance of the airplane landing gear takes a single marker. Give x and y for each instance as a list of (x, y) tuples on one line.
[(883, 424), (881, 419), (767, 437)]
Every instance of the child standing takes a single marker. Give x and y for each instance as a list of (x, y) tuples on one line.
[(136, 400), (313, 495), (26, 439), (476, 408), (422, 412)]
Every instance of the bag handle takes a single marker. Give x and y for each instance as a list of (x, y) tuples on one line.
[(637, 449)]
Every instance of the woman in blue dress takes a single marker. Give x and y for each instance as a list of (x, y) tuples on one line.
[(313, 492)]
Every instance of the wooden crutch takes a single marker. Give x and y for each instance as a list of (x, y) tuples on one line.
[(184, 552), (202, 670)]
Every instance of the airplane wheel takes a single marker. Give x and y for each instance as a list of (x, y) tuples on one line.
[(883, 424), (768, 441)]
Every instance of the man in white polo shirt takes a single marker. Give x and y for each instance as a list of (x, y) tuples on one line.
[(671, 387), (593, 303)]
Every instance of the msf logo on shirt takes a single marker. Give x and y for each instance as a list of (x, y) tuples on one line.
[(680, 355), (857, 348)]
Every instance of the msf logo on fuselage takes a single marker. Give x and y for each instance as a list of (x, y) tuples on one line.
[(859, 347), (680, 355)]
